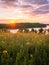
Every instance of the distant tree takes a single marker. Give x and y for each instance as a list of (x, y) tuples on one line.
[(26, 30), (40, 30), (5, 30), (48, 30), (45, 31), (35, 31), (20, 30), (32, 30)]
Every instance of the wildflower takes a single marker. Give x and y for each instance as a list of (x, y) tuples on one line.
[(31, 55), (4, 51), (28, 43)]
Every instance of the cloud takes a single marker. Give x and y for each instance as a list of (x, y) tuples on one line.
[(7, 2), (29, 7), (38, 2), (42, 10), (35, 1), (41, 2)]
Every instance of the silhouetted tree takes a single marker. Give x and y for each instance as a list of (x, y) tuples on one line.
[(35, 31), (48, 30), (4, 30), (40, 30), (26, 30), (32, 30), (20, 30), (45, 31)]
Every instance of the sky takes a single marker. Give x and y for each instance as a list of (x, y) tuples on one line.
[(24, 11)]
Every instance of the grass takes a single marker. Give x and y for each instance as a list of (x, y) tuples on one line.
[(24, 49)]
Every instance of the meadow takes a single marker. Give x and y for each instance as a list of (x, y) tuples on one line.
[(24, 49)]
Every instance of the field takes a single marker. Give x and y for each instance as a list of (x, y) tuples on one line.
[(24, 49)]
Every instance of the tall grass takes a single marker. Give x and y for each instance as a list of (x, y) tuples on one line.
[(24, 49)]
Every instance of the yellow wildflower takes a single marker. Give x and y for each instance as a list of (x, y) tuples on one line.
[(31, 55), (28, 43), (5, 51)]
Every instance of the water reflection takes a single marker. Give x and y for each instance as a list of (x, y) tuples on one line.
[(13, 30)]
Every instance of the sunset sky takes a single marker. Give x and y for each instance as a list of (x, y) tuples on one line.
[(24, 11)]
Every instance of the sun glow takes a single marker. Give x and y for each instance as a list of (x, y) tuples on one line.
[(12, 21)]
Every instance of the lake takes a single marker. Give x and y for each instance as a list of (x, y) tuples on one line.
[(15, 30)]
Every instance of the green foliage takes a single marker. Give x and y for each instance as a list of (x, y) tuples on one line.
[(24, 49)]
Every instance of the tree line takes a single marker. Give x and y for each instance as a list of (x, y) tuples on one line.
[(21, 25)]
